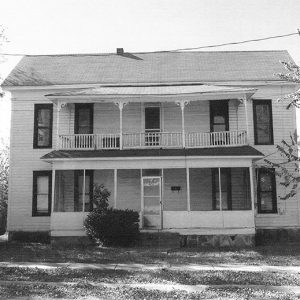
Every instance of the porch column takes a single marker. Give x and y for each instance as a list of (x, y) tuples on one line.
[(115, 187), (53, 190), (246, 116), (59, 106), (121, 105), (188, 189), (83, 191), (182, 104), (220, 188), (252, 187)]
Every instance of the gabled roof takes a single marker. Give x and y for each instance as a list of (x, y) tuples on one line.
[(218, 151), (161, 67)]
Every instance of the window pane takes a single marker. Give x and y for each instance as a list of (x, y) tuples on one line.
[(44, 117), (43, 137), (42, 185), (262, 113), (266, 201), (42, 203), (263, 133), (265, 183), (219, 119)]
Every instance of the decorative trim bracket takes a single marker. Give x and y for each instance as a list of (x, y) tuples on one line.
[(182, 103), (120, 104)]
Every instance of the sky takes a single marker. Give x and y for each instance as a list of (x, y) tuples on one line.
[(101, 26)]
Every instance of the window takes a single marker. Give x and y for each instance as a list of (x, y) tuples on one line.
[(219, 116), (88, 203), (84, 118), (225, 189), (42, 182), (263, 122), (266, 191), (43, 114)]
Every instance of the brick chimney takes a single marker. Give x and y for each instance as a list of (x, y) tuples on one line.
[(120, 51)]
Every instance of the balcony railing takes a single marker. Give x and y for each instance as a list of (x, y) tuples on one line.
[(152, 140)]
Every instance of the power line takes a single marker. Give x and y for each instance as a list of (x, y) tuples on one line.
[(195, 48)]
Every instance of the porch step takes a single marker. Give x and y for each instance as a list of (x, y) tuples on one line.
[(159, 239)]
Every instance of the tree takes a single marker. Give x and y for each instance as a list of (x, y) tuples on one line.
[(288, 170), (4, 169), (3, 41)]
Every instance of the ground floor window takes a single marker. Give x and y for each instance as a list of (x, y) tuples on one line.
[(41, 202), (266, 191)]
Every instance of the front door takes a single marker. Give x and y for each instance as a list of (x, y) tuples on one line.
[(152, 206), (152, 126)]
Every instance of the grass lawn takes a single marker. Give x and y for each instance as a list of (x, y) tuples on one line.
[(82, 284), (280, 255)]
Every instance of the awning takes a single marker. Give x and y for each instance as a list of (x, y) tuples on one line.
[(243, 151), (143, 93)]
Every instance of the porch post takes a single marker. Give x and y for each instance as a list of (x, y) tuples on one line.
[(121, 105), (57, 124), (188, 189), (83, 191), (220, 188), (251, 187), (115, 187), (53, 190), (246, 116), (182, 104)]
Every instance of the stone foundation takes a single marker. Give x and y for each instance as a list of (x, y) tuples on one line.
[(71, 240), (218, 241), (277, 236)]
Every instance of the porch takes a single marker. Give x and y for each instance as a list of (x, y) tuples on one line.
[(149, 117), (189, 200)]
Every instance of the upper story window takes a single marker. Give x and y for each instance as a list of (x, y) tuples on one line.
[(266, 191), (41, 202), (263, 122), (43, 116), (84, 114), (219, 120)]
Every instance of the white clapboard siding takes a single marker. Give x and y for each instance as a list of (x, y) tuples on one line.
[(25, 159), (174, 200)]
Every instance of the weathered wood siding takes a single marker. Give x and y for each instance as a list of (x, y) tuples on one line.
[(25, 159)]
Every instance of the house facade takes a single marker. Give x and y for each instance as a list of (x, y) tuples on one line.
[(179, 137)]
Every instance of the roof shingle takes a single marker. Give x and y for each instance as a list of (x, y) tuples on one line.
[(147, 68)]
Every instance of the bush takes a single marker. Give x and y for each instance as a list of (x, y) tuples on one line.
[(113, 227)]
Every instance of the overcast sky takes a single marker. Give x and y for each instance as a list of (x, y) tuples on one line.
[(95, 26)]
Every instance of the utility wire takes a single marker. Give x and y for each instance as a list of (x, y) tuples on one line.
[(195, 48)]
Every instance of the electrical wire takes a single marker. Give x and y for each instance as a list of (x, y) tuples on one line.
[(190, 48)]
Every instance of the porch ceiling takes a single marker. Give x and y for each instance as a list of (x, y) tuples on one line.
[(205, 152), (144, 93)]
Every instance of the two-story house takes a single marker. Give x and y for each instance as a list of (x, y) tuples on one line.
[(179, 137)]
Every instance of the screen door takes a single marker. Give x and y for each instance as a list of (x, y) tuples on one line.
[(152, 202)]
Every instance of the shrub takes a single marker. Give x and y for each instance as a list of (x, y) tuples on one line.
[(113, 227)]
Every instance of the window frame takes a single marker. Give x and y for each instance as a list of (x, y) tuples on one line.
[(37, 174), (215, 186), (78, 173), (88, 106), (270, 171), (269, 104), (38, 107)]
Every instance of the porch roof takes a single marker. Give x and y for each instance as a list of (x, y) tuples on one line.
[(205, 152), (151, 92)]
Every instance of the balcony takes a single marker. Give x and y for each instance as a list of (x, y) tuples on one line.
[(151, 140)]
